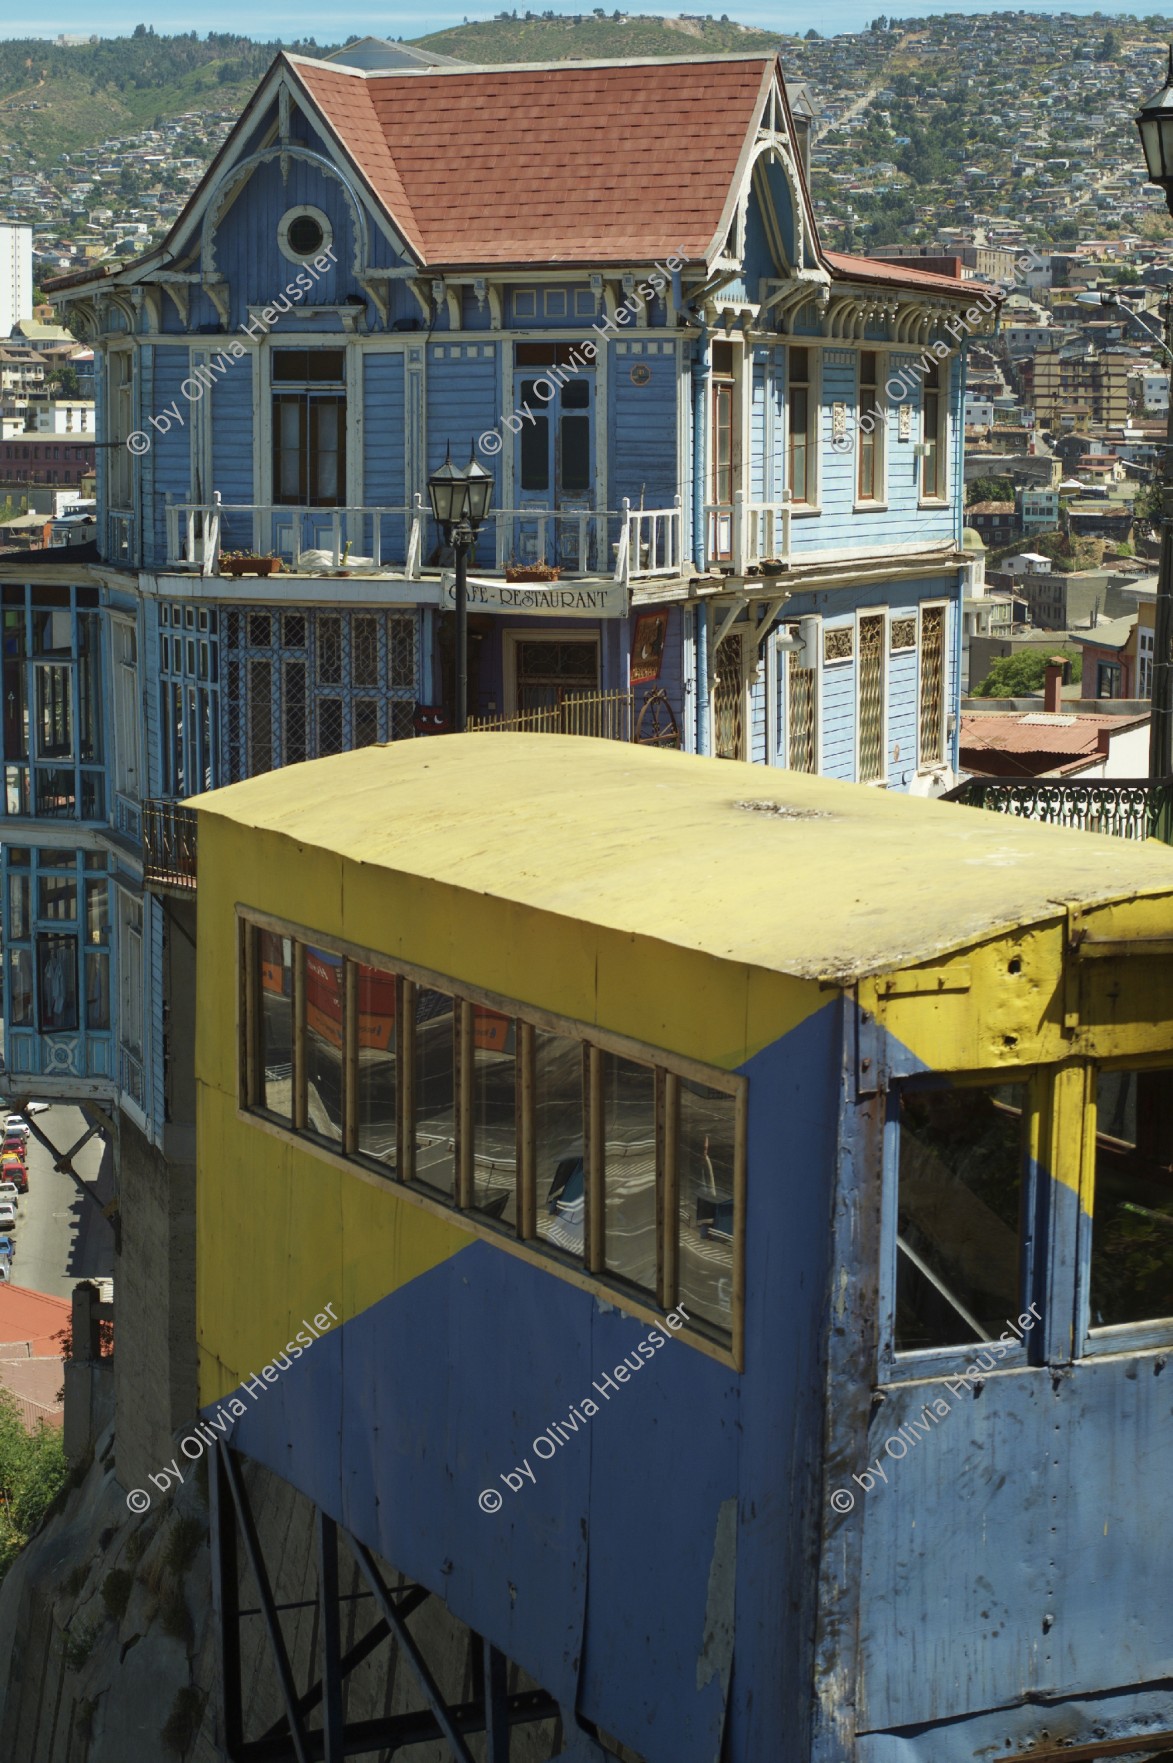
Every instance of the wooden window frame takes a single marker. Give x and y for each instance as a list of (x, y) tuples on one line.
[(870, 403), (809, 500), (924, 764), (938, 440), (726, 1345)]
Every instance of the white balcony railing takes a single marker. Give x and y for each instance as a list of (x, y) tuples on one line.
[(629, 544), (742, 535)]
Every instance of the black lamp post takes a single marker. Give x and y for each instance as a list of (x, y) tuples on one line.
[(460, 504), (1155, 123)]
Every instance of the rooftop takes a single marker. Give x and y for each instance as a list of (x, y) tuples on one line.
[(843, 880)]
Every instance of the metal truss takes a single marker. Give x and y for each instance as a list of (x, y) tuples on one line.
[(491, 1711)]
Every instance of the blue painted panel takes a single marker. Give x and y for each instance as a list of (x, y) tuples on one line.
[(234, 460), (167, 466), (902, 711), (246, 246), (642, 436), (384, 467), (837, 718), (757, 427), (757, 720), (463, 400)]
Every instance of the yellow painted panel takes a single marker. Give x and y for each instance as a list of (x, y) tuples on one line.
[(281, 1232)]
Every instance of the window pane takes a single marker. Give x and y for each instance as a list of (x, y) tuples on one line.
[(377, 1064), (97, 912), (535, 443), (18, 906), (558, 1141), (20, 988), (327, 416), (959, 1205), (323, 1043), (576, 454), (494, 1114), (54, 713), (705, 1163), (629, 1169), (57, 897), (276, 1048), (57, 983), (97, 991), (1132, 1228), (435, 1112)]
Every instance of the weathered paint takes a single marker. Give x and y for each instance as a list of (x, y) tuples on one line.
[(1009, 1553)]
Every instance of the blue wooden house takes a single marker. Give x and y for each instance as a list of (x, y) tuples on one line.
[(727, 476)]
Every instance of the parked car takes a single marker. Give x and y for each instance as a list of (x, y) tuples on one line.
[(10, 1192), (15, 1170), (16, 1124), (38, 1107), (8, 1247), (5, 1272), (7, 1217)]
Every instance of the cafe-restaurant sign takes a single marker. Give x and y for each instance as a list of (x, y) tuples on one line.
[(550, 599)]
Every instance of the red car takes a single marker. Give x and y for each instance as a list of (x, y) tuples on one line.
[(15, 1170)]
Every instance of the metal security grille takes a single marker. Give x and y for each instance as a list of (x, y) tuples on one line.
[(305, 684), (871, 698), (728, 694), (932, 685), (800, 694)]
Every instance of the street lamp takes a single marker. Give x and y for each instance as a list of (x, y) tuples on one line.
[(460, 504), (1155, 123)]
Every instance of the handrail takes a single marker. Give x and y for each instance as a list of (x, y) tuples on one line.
[(745, 533), (1123, 808)]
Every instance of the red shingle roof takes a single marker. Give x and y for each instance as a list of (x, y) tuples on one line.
[(567, 164)]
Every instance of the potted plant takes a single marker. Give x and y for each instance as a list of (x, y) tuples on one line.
[(531, 572), (249, 563)]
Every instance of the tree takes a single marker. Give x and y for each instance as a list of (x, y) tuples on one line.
[(1110, 45), (1017, 676), (813, 37), (32, 1473), (990, 489)]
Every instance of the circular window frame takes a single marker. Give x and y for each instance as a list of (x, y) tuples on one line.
[(303, 212)]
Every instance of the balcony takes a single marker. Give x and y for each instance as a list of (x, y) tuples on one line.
[(747, 538), (169, 847), (1123, 808), (624, 545)]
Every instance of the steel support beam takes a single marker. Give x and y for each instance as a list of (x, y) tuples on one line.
[(331, 1639)]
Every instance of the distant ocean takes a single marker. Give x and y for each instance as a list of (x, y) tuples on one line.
[(332, 23)]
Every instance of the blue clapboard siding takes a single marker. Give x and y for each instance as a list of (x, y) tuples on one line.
[(757, 428), (384, 481), (167, 466), (234, 457), (246, 241), (835, 527), (902, 709), (463, 401), (776, 425), (757, 720), (837, 715), (642, 431)]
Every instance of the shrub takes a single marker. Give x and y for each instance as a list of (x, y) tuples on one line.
[(183, 1722), (116, 1590)]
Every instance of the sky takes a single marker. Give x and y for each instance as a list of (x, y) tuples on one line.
[(334, 20)]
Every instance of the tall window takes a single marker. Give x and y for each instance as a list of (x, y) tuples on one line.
[(931, 718), (801, 412), (309, 427), (119, 383), (872, 658), (802, 746), (868, 428), (932, 477)]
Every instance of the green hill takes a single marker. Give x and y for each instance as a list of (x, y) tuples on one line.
[(589, 36)]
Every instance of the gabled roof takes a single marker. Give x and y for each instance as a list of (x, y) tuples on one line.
[(623, 162)]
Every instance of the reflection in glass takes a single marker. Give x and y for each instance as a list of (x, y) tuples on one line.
[(1132, 1227), (276, 1048), (97, 912), (20, 988), (958, 1258), (57, 982), (558, 1141), (705, 1163), (57, 896), (97, 991), (323, 1043), (435, 1112), (494, 1114), (377, 1062), (629, 1169), (18, 906), (54, 713)]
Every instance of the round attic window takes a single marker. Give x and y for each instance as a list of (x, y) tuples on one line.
[(304, 233)]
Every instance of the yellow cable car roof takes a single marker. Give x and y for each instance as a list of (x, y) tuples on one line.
[(790, 873)]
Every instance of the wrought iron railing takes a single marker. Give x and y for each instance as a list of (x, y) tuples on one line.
[(169, 845), (607, 716), (1124, 808)]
